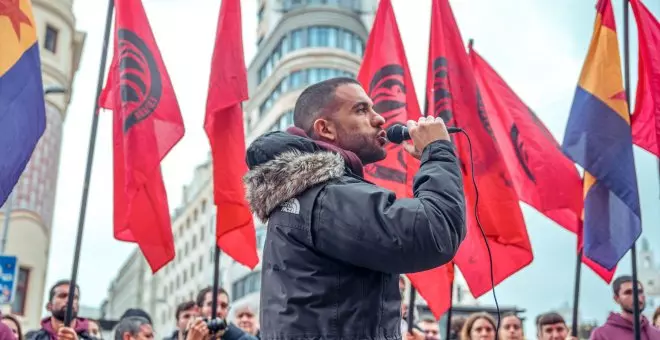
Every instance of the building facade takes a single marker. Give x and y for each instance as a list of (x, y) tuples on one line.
[(33, 199), (301, 42)]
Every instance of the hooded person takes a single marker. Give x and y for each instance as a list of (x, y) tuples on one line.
[(620, 325), (52, 327), (336, 243)]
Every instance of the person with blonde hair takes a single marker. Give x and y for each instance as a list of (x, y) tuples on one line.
[(479, 326)]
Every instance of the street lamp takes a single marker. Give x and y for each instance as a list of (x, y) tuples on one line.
[(8, 209)]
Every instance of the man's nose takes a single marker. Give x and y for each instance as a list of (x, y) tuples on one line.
[(378, 120)]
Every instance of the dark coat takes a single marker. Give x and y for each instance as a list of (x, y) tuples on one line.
[(336, 244)]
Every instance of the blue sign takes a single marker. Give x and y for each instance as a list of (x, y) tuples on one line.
[(8, 277)]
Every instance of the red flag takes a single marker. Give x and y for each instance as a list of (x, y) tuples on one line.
[(452, 94), (147, 124), (223, 124), (385, 75), (646, 117), (541, 174)]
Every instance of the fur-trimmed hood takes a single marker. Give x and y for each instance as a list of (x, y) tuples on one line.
[(283, 166)]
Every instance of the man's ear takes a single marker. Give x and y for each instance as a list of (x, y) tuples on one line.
[(126, 336), (325, 129), (49, 306)]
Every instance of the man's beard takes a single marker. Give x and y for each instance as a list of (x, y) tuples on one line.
[(631, 311), (60, 313), (362, 145)]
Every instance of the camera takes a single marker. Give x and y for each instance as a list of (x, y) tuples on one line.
[(216, 325)]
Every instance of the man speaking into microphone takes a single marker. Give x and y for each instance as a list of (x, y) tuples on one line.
[(336, 244)]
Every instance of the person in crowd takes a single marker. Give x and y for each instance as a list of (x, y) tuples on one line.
[(185, 313), (198, 330), (552, 326), (94, 329), (134, 328), (456, 326), (136, 312), (336, 243), (511, 327), (6, 333), (53, 328), (430, 327), (479, 326), (13, 324), (620, 325), (246, 318), (656, 318)]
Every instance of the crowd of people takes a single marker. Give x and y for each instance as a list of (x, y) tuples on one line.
[(243, 321), (549, 326)]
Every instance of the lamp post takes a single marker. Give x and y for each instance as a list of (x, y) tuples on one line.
[(10, 200)]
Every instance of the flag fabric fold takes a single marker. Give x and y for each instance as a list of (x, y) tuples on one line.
[(646, 116), (452, 94), (386, 78), (542, 175), (598, 138), (223, 124), (22, 107), (147, 123)]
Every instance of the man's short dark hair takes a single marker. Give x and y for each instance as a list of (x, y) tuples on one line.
[(51, 292), (131, 325), (619, 281), (184, 306), (202, 294), (136, 312), (549, 319), (317, 100)]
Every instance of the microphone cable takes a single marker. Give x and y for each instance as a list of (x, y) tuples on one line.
[(483, 233)]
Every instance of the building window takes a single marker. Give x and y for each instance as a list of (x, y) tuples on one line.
[(312, 36), (192, 270), (50, 43), (195, 216), (194, 242), (250, 283), (18, 306), (203, 206), (201, 234), (201, 263), (299, 79), (185, 276), (261, 238)]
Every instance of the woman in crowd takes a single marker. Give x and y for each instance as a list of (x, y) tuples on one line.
[(14, 325), (511, 328), (479, 326)]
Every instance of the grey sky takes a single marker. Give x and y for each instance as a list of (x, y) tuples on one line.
[(537, 46)]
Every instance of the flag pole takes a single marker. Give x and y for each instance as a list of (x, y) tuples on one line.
[(633, 250), (216, 281), (451, 302), (68, 318), (576, 293), (411, 308)]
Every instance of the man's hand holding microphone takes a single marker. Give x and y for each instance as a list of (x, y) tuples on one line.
[(423, 132)]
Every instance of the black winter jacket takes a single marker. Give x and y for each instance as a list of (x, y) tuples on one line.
[(336, 244)]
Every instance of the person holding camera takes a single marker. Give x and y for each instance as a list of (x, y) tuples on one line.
[(214, 326)]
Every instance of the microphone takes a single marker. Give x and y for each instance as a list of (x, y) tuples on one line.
[(398, 132)]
